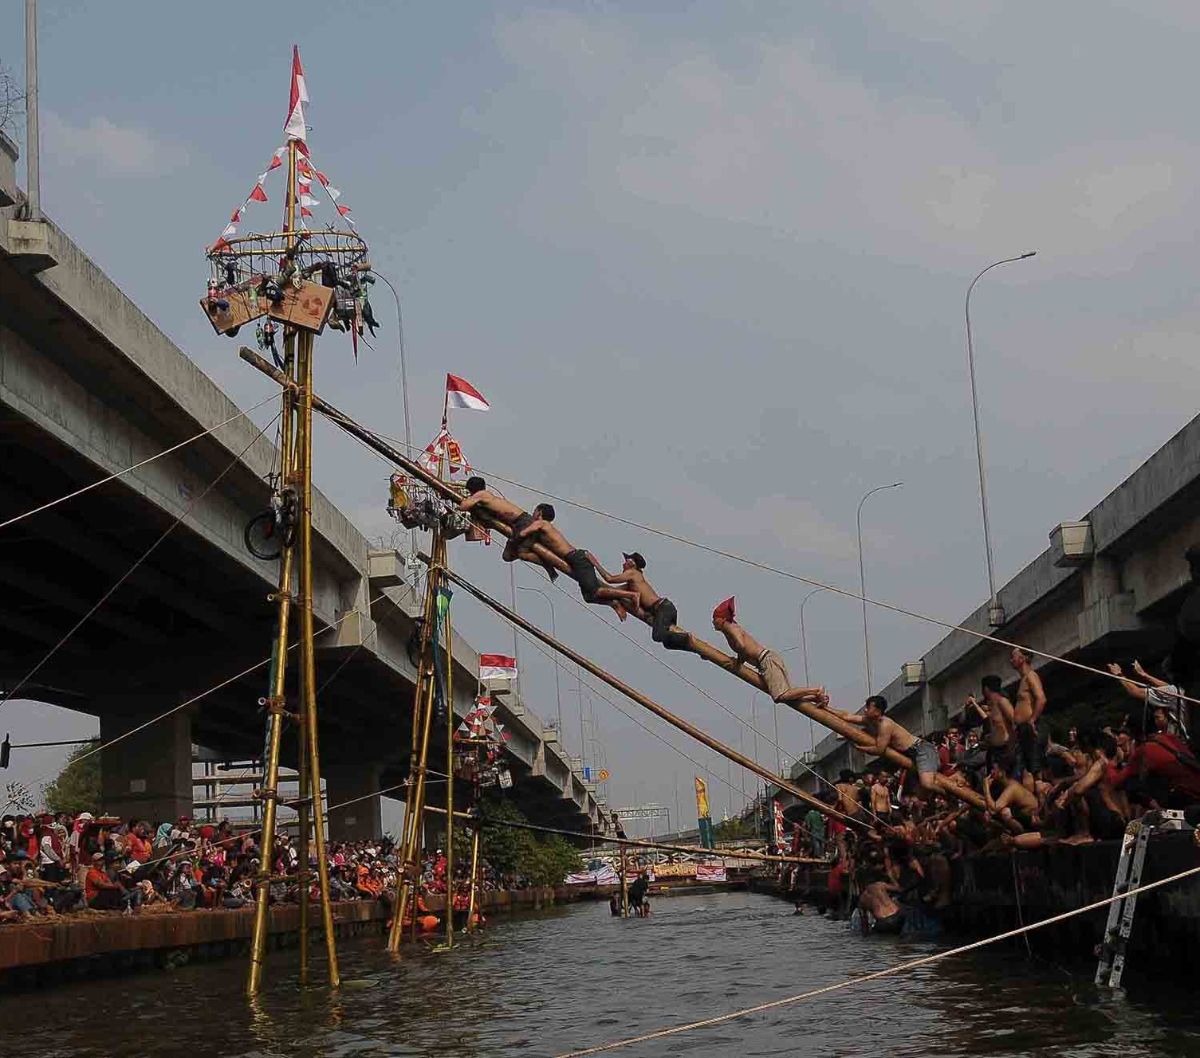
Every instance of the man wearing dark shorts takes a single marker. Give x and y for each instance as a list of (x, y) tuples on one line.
[(497, 508), (541, 530), (660, 610)]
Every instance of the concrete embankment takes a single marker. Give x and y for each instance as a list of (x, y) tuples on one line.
[(996, 893), (97, 944)]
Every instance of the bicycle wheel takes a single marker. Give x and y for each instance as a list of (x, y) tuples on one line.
[(262, 536)]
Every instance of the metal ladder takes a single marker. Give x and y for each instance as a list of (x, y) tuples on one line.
[(1120, 911)]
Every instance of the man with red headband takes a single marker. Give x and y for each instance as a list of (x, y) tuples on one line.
[(749, 651)]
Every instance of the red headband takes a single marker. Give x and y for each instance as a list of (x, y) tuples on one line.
[(724, 610)]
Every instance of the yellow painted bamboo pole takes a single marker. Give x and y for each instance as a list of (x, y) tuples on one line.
[(470, 928), (448, 650), (308, 660), (277, 683), (414, 803)]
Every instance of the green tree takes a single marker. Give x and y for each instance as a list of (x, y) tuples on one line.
[(541, 859), (77, 786)]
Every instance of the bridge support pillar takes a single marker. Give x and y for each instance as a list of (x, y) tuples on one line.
[(148, 774), (363, 819)]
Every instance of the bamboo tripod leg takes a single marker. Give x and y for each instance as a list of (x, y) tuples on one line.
[(275, 692), (448, 649), (422, 721), (308, 664), (474, 880), (302, 849)]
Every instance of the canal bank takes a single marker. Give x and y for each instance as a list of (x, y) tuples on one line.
[(92, 944), (993, 894)]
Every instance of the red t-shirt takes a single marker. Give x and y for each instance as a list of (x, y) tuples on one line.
[(92, 883), (1159, 754), (137, 847)]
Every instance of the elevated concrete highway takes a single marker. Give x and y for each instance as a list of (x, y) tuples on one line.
[(89, 386), (1107, 588)]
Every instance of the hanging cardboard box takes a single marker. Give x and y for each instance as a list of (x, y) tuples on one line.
[(305, 306), (232, 308)]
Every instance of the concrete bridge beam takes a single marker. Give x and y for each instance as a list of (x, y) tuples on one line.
[(149, 774), (362, 820)]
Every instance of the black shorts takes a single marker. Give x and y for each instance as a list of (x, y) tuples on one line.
[(662, 616), (892, 924), (1029, 750), (585, 573)]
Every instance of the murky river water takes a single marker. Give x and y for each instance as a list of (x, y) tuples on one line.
[(572, 977)]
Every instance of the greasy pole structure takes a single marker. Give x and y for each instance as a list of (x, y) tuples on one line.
[(408, 868), (645, 702), (266, 279), (696, 645)]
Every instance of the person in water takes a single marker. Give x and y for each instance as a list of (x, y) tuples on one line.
[(749, 651), (582, 564)]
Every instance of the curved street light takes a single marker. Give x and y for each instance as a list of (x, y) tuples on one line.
[(408, 448), (553, 632), (995, 610), (812, 731), (862, 576)]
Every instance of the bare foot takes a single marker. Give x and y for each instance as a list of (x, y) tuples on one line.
[(622, 614)]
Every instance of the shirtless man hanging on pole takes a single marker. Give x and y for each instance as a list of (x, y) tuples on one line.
[(480, 499), (890, 735), (583, 564), (661, 611), (749, 651)]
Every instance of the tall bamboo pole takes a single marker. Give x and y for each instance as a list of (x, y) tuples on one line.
[(474, 877), (406, 881), (448, 654), (302, 850), (308, 659), (277, 682)]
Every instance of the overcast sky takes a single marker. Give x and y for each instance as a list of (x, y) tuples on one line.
[(708, 265)]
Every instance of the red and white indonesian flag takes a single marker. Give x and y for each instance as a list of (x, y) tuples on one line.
[(497, 667), (461, 394)]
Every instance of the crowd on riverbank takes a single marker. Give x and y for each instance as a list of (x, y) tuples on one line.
[(60, 864), (1038, 787)]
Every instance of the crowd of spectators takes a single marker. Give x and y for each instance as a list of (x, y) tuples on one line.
[(71, 864), (1039, 786)]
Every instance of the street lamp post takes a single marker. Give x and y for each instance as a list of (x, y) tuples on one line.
[(862, 576), (408, 448), (995, 610), (554, 661), (812, 736)]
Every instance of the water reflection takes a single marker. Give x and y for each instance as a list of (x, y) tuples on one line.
[(545, 984)]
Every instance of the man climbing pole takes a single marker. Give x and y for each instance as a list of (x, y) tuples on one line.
[(490, 503), (749, 651), (659, 609), (890, 735), (583, 566)]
